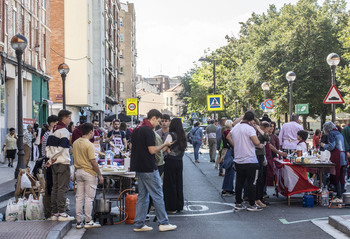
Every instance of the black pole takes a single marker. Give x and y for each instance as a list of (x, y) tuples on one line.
[(333, 83), (214, 84), (236, 110), (20, 164), (290, 100), (64, 89)]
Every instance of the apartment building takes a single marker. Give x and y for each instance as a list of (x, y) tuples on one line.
[(127, 51), (89, 43), (30, 18)]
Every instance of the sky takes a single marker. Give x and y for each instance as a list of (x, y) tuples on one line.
[(173, 34)]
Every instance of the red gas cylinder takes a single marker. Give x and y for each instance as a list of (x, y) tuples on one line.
[(130, 207)]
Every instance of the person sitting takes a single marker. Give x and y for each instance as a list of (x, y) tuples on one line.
[(302, 136)]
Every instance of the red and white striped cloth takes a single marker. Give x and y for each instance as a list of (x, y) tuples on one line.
[(291, 179)]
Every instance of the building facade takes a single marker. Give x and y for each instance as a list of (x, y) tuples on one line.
[(127, 51), (31, 19), (88, 43)]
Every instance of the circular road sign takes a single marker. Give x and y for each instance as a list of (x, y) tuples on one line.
[(269, 104), (132, 106)]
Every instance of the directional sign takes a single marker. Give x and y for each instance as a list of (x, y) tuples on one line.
[(262, 106), (194, 116), (215, 103), (302, 109), (269, 103), (131, 106), (333, 96)]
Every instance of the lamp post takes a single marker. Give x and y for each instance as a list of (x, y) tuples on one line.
[(214, 63), (333, 60), (19, 43), (290, 76), (265, 87), (63, 69)]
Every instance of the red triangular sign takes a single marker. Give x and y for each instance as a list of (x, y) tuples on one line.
[(333, 96)]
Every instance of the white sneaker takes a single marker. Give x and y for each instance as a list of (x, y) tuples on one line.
[(145, 228), (63, 217), (337, 200), (54, 217), (79, 225), (169, 227), (92, 224)]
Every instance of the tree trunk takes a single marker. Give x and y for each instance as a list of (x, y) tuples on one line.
[(305, 122), (286, 118)]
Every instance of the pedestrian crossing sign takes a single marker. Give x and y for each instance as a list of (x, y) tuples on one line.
[(214, 102)]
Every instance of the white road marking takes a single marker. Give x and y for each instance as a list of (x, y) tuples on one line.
[(198, 203), (192, 208), (323, 224), (284, 221)]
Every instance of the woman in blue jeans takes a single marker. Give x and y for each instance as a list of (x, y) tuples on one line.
[(197, 135)]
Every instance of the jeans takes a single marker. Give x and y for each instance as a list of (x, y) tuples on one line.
[(86, 191), (149, 184), (212, 149), (196, 145), (48, 188), (227, 184), (246, 171)]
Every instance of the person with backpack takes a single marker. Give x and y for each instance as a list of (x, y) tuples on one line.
[(197, 137)]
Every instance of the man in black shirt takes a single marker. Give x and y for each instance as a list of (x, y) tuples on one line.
[(143, 162)]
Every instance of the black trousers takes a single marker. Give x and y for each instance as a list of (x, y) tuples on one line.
[(261, 181), (247, 172), (173, 185)]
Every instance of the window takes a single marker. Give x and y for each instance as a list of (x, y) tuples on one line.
[(14, 20), (30, 44), (121, 70), (121, 87), (121, 37), (171, 110), (167, 100), (44, 4), (171, 100), (121, 22), (121, 54), (44, 45)]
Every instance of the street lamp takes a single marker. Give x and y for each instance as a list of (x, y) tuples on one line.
[(19, 43), (63, 69), (333, 60), (265, 87), (214, 63), (290, 76)]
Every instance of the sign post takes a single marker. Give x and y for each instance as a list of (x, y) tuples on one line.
[(131, 106)]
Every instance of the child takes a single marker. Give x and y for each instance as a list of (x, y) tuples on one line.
[(302, 136)]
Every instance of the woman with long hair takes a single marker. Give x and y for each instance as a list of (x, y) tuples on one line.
[(197, 139), (173, 183)]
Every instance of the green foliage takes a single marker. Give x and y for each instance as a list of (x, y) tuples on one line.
[(295, 38)]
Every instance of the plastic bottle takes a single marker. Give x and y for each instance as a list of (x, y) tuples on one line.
[(325, 197)]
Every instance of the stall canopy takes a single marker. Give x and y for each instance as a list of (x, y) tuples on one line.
[(122, 116)]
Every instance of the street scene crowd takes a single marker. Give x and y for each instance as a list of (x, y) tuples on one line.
[(242, 150)]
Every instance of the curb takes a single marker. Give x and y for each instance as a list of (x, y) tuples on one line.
[(7, 196), (60, 230), (340, 224)]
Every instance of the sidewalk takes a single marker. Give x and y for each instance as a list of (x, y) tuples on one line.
[(43, 229)]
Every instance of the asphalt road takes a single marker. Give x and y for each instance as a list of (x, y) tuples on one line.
[(208, 215)]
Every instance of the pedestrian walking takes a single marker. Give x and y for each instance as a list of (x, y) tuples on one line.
[(57, 150), (244, 139), (219, 131), (197, 139), (27, 142), (173, 167), (144, 164), (212, 141), (86, 172), (52, 120), (11, 146)]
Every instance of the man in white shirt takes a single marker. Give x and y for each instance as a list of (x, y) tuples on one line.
[(288, 134), (244, 138)]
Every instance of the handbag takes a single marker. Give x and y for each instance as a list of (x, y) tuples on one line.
[(190, 136)]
